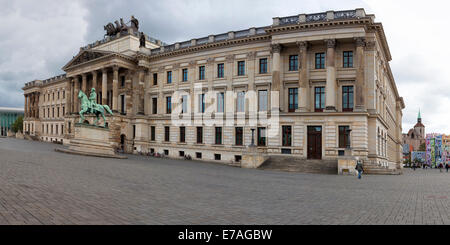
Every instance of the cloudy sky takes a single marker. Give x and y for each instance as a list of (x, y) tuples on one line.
[(39, 37)]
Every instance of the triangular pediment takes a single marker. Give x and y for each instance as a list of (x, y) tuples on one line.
[(85, 56)]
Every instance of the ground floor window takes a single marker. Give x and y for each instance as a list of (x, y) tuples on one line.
[(182, 134), (199, 135), (262, 136), (218, 135), (217, 157), (343, 136), (287, 135), (167, 133), (198, 155), (239, 136)]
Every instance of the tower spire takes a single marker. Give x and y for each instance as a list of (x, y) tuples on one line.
[(419, 118)]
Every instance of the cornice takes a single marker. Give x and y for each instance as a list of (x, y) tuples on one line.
[(207, 46)]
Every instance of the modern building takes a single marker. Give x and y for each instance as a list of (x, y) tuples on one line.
[(309, 85), (7, 117)]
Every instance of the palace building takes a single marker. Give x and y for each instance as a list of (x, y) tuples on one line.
[(312, 86)]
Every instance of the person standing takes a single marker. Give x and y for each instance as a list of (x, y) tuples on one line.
[(359, 167), (414, 166), (447, 167), (440, 167)]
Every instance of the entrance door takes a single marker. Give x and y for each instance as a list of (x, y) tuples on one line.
[(314, 142)]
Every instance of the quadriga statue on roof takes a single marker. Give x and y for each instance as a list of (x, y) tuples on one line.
[(89, 106), (112, 30)]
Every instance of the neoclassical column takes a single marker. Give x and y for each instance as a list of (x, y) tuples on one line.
[(104, 86), (26, 105), (359, 90), (276, 80), (83, 82), (330, 90), (94, 80), (303, 83), (115, 94), (75, 94), (140, 87), (69, 96)]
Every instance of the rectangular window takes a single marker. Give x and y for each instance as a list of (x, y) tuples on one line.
[(64, 110), (217, 157), (262, 100), (287, 135), (184, 104), (201, 103), (182, 134), (201, 73), (220, 102), (218, 135), (168, 104), (261, 136), (348, 59), (122, 81), (319, 99), (167, 133), (57, 110), (155, 78), (263, 66), (293, 99), (122, 103), (320, 60), (152, 133), (343, 136), (64, 94), (241, 68), (239, 138), (293, 62), (198, 155), (185, 74), (199, 135), (347, 98), (169, 77), (240, 103), (154, 105), (220, 70)]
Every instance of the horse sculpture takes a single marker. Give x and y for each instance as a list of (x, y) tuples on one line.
[(94, 108)]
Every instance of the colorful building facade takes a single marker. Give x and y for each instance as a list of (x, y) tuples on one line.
[(437, 149)]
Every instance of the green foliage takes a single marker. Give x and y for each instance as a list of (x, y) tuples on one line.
[(17, 125)]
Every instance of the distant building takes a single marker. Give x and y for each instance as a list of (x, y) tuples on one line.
[(415, 136), (437, 149), (7, 117)]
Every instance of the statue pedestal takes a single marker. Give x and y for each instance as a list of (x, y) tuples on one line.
[(91, 140)]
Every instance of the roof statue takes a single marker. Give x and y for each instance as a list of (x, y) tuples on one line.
[(119, 27), (142, 40)]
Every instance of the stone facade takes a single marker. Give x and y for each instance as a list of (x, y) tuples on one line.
[(301, 84)]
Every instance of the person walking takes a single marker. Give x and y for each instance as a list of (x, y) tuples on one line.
[(359, 167), (447, 166), (414, 166), (440, 167)]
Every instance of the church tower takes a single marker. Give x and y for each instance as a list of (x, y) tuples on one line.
[(419, 128)]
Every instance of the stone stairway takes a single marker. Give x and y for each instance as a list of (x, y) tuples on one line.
[(295, 164), (374, 168)]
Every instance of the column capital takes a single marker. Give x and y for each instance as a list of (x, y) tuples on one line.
[(276, 48), (229, 58), (115, 68), (94, 72), (331, 43), (105, 70), (360, 41), (84, 75), (302, 45), (251, 55)]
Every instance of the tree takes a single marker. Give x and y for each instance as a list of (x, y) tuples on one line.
[(17, 125), (422, 147)]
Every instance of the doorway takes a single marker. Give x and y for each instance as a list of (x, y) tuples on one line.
[(314, 142)]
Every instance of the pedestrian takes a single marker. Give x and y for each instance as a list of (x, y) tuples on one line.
[(414, 166), (440, 167), (359, 167), (447, 167)]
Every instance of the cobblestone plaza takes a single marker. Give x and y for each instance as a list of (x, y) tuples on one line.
[(41, 186)]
